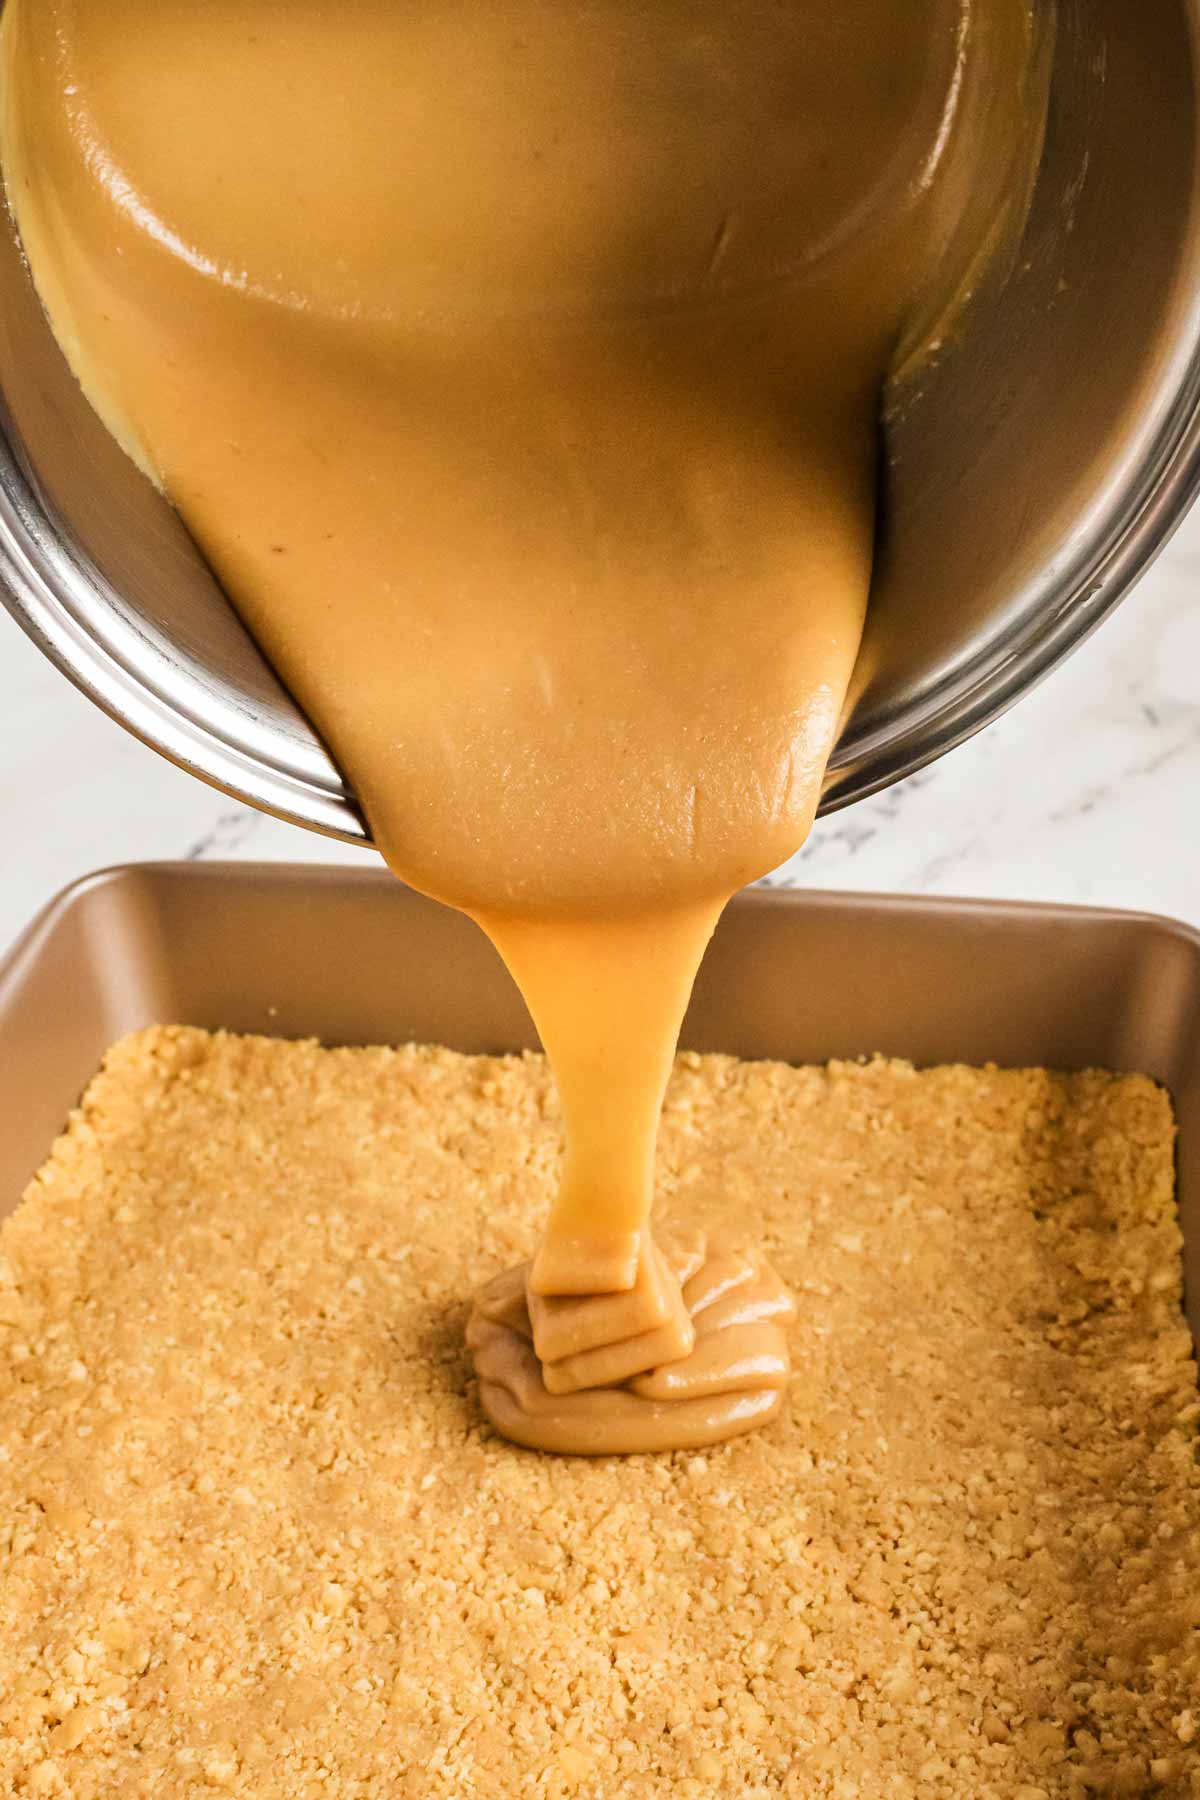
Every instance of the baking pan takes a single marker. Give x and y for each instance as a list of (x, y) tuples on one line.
[(356, 958)]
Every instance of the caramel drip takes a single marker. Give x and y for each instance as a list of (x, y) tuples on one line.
[(695, 1353)]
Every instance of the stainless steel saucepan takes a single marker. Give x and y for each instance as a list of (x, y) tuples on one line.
[(1038, 466)]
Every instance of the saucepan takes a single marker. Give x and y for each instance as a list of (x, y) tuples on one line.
[(1031, 471)]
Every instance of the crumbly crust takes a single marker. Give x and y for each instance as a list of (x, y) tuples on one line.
[(255, 1535)]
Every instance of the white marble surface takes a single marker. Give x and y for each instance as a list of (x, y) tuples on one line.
[(1087, 791)]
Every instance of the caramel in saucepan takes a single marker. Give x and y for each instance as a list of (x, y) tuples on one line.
[(517, 366)]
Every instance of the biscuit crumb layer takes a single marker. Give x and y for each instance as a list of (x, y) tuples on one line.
[(256, 1536)]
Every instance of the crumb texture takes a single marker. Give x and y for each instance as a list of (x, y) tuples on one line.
[(256, 1536)]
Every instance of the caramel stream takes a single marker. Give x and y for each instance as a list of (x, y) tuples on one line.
[(517, 366)]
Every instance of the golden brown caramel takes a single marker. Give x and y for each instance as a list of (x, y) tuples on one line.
[(693, 1356), (518, 368)]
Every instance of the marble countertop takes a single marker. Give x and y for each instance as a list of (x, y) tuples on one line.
[(1086, 791)]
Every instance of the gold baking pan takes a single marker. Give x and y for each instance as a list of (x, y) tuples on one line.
[(297, 951)]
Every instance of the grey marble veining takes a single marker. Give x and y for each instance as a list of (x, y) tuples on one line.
[(1088, 790)]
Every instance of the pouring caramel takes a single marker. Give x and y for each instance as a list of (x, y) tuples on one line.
[(518, 368)]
